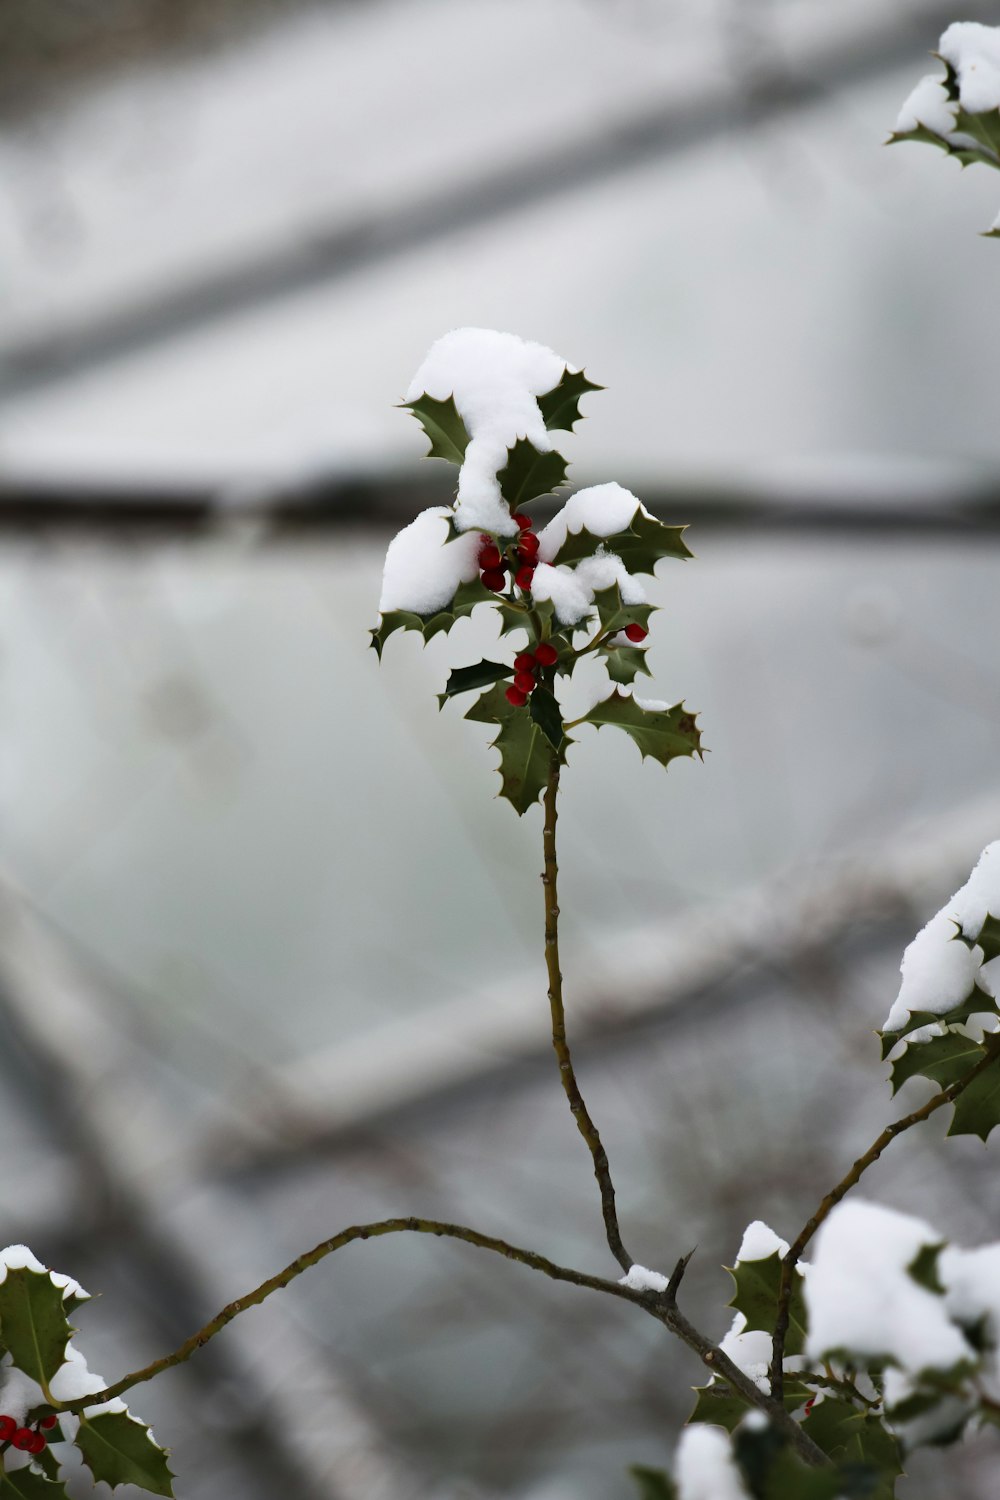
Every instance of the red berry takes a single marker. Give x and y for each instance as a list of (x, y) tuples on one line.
[(8, 1427), (24, 1439), (49, 1422), (38, 1441), (489, 557), (525, 681), (527, 546), (495, 579), (524, 661), (515, 696), (636, 633), (523, 577), (523, 521), (546, 655)]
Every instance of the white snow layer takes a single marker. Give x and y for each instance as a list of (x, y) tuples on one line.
[(20, 1258), (973, 50), (938, 970), (602, 570), (861, 1297), (601, 509), (572, 589), (641, 1279), (423, 569), (927, 105), (495, 379), (572, 601), (705, 1467), (760, 1241)]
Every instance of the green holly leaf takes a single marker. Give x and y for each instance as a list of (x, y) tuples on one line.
[(466, 598), (977, 1108), (854, 1438), (528, 473), (942, 1059), (526, 752), (560, 407), (624, 663), (976, 1003), (984, 128), (788, 1478), (545, 712), (119, 1449), (663, 734), (46, 1460), (464, 679), (443, 426), (614, 615), (989, 939), (33, 1324), (640, 546), (924, 1268), (716, 1404), (26, 1484), (758, 1283), (653, 1484)]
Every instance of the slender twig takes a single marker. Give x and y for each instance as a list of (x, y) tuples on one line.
[(571, 1088), (833, 1197), (659, 1305)]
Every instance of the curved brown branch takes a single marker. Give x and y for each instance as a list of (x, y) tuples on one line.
[(658, 1305), (567, 1074), (833, 1197)]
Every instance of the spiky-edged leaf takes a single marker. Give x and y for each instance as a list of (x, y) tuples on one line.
[(46, 1460), (545, 712), (560, 407), (664, 734), (989, 938), (653, 1484), (624, 663), (614, 615), (924, 1268), (716, 1404), (942, 1059), (26, 1484), (640, 546), (526, 753), (788, 1478), (443, 426), (33, 1323), (466, 598), (851, 1437), (976, 1003), (528, 473), (464, 679), (984, 128), (757, 1284), (977, 1108), (119, 1449)]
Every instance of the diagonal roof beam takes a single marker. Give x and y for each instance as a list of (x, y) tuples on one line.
[(368, 238)]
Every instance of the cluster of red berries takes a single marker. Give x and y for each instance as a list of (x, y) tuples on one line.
[(525, 672), (493, 564), (27, 1439)]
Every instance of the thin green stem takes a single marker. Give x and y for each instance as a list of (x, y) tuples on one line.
[(848, 1181), (567, 1073)]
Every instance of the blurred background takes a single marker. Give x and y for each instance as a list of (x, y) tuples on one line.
[(270, 955)]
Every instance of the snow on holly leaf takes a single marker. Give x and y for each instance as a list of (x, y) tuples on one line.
[(444, 427), (610, 514), (560, 407), (526, 751), (467, 596), (33, 1323), (119, 1449), (757, 1284), (661, 732)]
